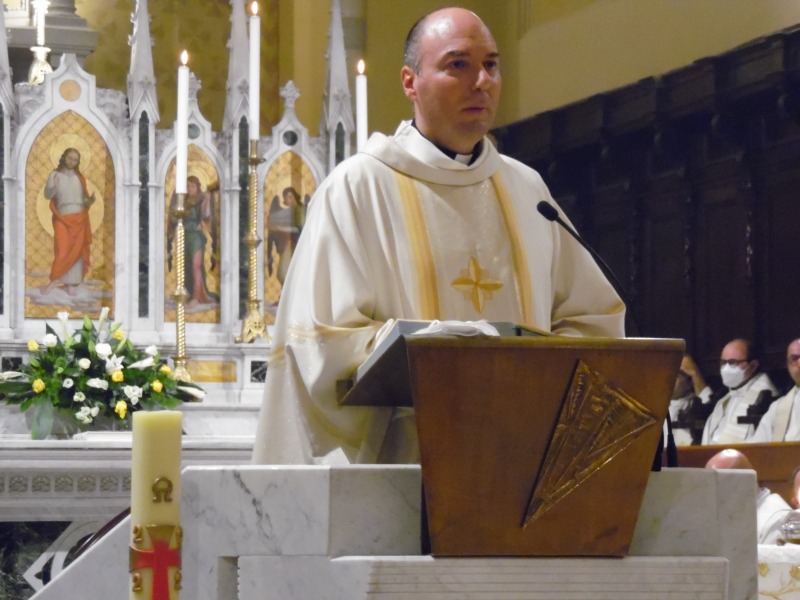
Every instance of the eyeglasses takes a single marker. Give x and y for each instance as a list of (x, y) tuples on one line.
[(732, 361)]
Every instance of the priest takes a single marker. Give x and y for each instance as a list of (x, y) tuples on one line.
[(429, 223)]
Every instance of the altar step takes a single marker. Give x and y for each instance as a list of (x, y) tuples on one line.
[(341, 533)]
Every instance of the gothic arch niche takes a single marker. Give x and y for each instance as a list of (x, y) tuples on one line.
[(202, 239), (82, 294), (288, 185)]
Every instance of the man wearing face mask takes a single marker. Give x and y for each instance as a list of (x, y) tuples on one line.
[(781, 423), (739, 372)]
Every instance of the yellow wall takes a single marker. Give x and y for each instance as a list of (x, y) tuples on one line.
[(574, 50), (553, 52)]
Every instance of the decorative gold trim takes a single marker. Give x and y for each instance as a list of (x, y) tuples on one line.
[(596, 423), (521, 272), (420, 247)]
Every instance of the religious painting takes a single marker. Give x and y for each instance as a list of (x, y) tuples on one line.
[(288, 186), (201, 255), (69, 221)]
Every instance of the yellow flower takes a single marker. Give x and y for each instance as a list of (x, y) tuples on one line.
[(33, 345), (165, 370), (121, 408), (38, 385), (117, 376), (157, 386), (119, 334)]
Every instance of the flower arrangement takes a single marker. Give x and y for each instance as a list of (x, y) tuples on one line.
[(92, 374)]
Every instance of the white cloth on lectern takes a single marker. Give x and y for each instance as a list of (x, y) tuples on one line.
[(462, 328)]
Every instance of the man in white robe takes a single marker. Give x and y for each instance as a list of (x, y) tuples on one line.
[(430, 223), (781, 422), (739, 369), (772, 510)]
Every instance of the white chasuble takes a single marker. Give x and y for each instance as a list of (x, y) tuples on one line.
[(402, 231)]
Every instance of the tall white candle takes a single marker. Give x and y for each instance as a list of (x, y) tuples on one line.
[(361, 107), (155, 505), (182, 132), (255, 72)]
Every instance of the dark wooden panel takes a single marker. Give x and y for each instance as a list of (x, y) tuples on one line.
[(666, 271), (724, 296)]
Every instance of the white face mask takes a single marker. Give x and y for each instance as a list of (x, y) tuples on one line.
[(732, 376)]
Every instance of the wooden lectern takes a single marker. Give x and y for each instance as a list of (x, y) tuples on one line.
[(529, 446)]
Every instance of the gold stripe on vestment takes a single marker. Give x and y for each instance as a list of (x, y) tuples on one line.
[(421, 254), (521, 272)]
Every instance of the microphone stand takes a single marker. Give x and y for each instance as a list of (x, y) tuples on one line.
[(549, 212)]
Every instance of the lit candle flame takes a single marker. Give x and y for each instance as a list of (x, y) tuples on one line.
[(184, 58), (361, 67), (254, 8)]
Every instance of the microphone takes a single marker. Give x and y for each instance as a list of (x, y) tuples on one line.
[(549, 212)]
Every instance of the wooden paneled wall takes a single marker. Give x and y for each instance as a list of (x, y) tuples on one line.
[(688, 184)]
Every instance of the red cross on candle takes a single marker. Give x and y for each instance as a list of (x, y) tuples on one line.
[(160, 558)]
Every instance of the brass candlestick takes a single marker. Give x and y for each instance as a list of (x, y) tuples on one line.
[(253, 324), (181, 295)]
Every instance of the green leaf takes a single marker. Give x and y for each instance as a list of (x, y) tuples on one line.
[(43, 414)]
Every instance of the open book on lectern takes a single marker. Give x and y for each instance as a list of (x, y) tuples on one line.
[(391, 349)]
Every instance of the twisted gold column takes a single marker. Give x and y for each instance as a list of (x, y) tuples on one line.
[(181, 295), (253, 324)]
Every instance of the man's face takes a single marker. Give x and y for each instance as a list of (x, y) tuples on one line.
[(457, 89), (735, 353), (793, 360), (71, 160)]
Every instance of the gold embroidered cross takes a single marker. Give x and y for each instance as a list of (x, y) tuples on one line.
[(475, 286)]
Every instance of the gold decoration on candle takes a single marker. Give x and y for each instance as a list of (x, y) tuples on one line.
[(161, 559), (162, 490), (253, 324), (181, 295)]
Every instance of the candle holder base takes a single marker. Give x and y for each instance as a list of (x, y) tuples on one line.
[(253, 324)]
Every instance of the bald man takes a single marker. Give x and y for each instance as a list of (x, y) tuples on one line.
[(429, 223), (771, 509), (739, 369), (781, 422)]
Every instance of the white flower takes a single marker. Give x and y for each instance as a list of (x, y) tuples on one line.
[(67, 383), (151, 350), (85, 414), (63, 316), (142, 364), (192, 391), (5, 376), (50, 340), (79, 397), (103, 350), (133, 392), (84, 363), (100, 384), (113, 363)]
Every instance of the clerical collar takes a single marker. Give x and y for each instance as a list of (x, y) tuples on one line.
[(464, 159)]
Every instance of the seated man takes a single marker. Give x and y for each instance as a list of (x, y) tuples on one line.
[(739, 371), (690, 390), (781, 423), (771, 509)]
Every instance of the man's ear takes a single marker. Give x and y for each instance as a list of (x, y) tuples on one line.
[(408, 77)]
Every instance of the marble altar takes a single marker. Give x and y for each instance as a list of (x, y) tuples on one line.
[(259, 532)]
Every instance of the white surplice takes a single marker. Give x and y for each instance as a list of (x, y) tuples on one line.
[(403, 231)]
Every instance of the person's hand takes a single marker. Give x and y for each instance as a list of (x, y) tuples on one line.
[(689, 367)]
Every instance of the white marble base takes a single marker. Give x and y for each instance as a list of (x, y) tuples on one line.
[(353, 532), (426, 578)]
